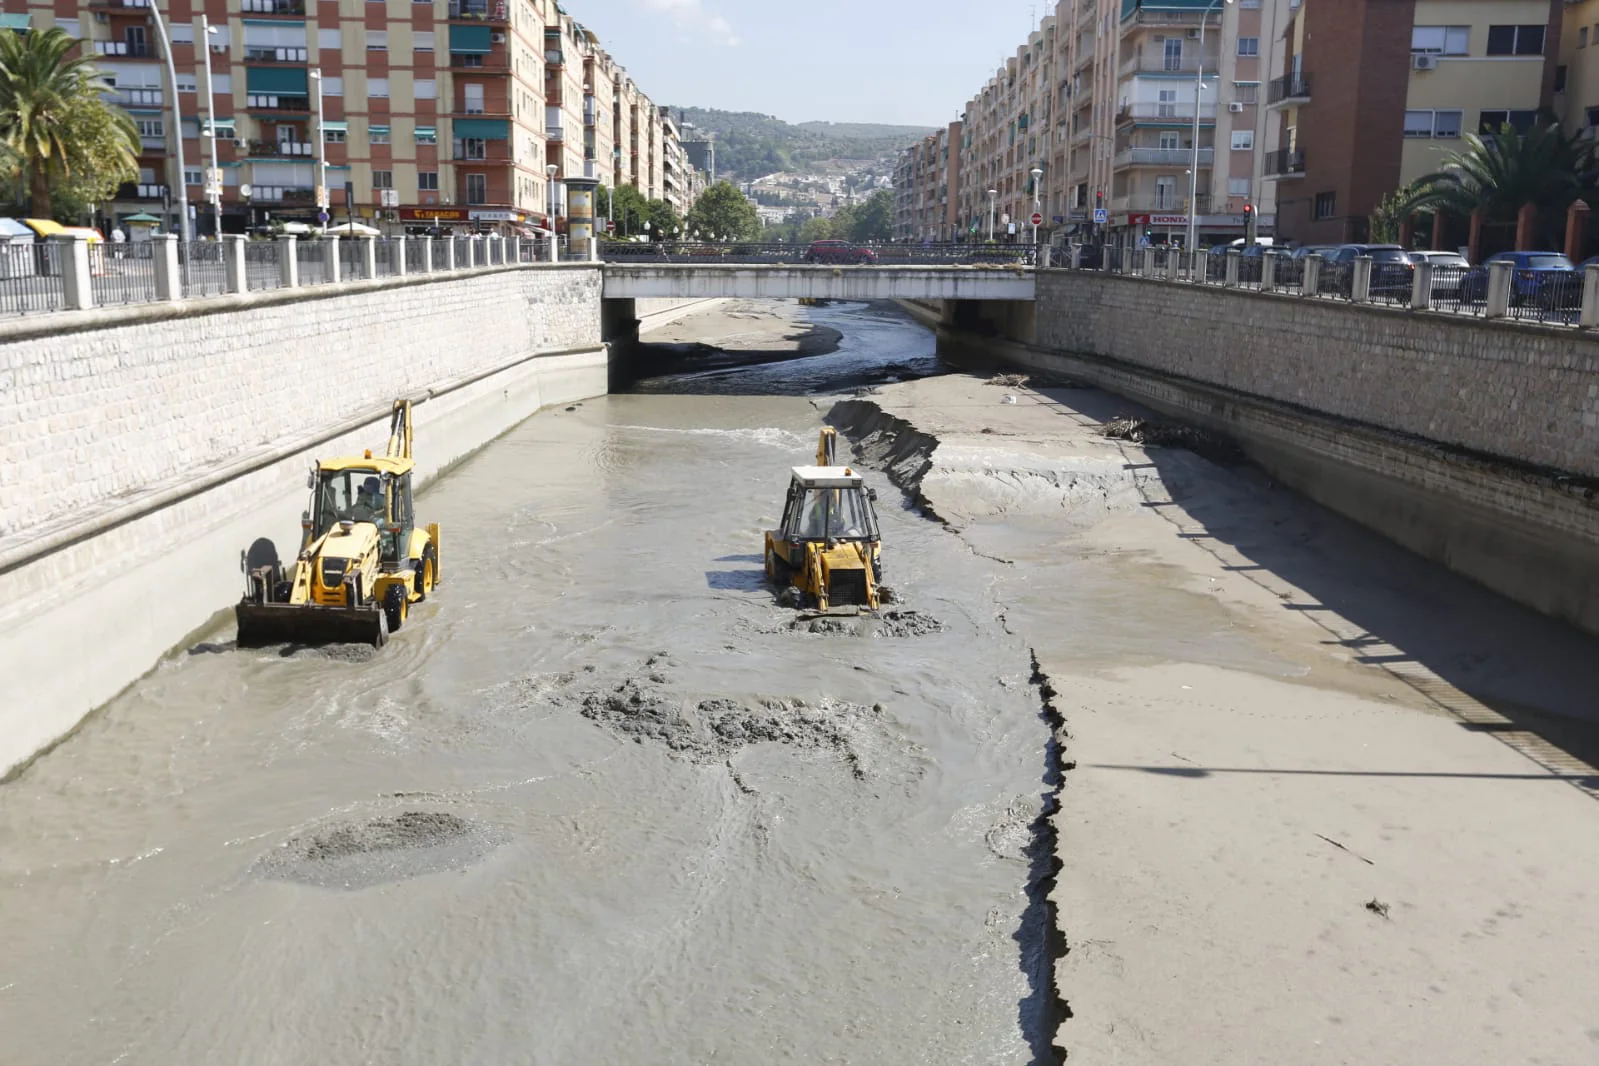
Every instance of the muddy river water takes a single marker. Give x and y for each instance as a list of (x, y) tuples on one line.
[(597, 802)]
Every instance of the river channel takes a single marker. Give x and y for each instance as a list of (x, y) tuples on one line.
[(597, 802)]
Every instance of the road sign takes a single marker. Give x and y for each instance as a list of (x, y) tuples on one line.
[(322, 200), (1101, 216), (610, 227), (1038, 219), (322, 217), (1004, 219)]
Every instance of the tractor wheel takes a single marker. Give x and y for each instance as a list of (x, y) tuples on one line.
[(395, 607), (778, 571), (426, 572)]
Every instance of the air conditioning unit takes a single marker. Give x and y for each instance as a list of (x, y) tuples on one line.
[(1193, 35), (1424, 62), (1236, 108), (497, 38)]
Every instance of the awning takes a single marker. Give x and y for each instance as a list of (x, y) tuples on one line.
[(336, 127), (426, 131), (143, 219), (278, 81), (15, 22), (44, 227), (224, 126), (274, 22), (377, 129), (472, 40), (482, 129)]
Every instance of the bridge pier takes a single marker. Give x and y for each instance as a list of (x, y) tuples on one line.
[(619, 331)]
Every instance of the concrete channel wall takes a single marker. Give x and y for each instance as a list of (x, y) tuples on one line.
[(1472, 443), (143, 450)]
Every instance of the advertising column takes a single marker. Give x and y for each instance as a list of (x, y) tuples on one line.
[(579, 214)]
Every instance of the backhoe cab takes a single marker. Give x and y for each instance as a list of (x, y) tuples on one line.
[(363, 561), (827, 551)]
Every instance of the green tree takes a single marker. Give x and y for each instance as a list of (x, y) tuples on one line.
[(626, 205), (57, 131), (722, 210), (1502, 173), (663, 219), (872, 220), (818, 229)]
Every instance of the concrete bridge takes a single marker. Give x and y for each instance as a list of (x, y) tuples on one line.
[(774, 281)]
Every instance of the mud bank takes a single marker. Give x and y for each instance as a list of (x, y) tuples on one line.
[(1316, 800), (738, 333)]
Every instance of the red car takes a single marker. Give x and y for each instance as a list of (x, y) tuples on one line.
[(838, 252)]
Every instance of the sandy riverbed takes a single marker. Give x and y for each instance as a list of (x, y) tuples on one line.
[(1322, 801)]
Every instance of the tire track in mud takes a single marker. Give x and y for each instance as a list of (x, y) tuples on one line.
[(905, 454)]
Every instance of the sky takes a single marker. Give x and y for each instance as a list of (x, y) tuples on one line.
[(907, 62)]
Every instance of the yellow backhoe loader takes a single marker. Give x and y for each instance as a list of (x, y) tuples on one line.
[(827, 553), (363, 561)]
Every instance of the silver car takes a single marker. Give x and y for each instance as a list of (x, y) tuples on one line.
[(1448, 268)]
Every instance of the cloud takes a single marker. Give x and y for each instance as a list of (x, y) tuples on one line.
[(691, 17)]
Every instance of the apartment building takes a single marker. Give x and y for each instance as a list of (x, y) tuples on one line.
[(1374, 93), (927, 186), (1577, 98), (430, 113), (1101, 100)]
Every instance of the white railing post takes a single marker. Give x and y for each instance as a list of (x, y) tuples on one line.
[(427, 255), (555, 248), (233, 261), (168, 272), (1044, 256), (1268, 271), (1233, 258), (594, 249), (1199, 266), (330, 252), (1499, 278), (77, 284), (1421, 287), (398, 244), (1360, 280), (1077, 257), (1146, 262), (1174, 264), (1590, 297), (1310, 283), (369, 257), (288, 261), (449, 255)]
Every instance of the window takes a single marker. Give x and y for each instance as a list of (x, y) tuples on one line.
[(1560, 78), (1174, 53), (222, 84), (383, 179), (1170, 140), (1515, 40), (181, 32), (465, 59), (194, 177), (1418, 123), (330, 40), (221, 38), (1243, 140), (473, 99), (427, 135), (1246, 92), (1326, 204), (472, 148), (1249, 46), (1582, 36), (152, 128), (377, 40), (1592, 116), (333, 136), (70, 27), (422, 40), (377, 135), (377, 88), (332, 86), (426, 89), (1492, 121), (1167, 107), (1237, 186), (427, 181), (187, 83), (1440, 40), (477, 188), (1447, 123)]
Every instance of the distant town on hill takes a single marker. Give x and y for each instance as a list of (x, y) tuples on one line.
[(751, 145)]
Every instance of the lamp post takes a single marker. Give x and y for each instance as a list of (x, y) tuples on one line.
[(1037, 173), (550, 169), (177, 124), (993, 197), (1193, 172), (324, 201), (213, 182)]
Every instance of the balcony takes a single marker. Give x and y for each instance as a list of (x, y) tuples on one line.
[(282, 194), (125, 49), (1289, 91), (1141, 64), (1181, 111), (153, 144), (136, 98), (269, 102), (490, 64), (555, 133), (1163, 157), (125, 5), (1155, 17), (140, 191), (554, 57), (479, 11), (272, 7), (487, 156), (256, 53), (1146, 203), (281, 149), (1286, 163)]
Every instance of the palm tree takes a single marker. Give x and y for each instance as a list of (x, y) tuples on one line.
[(45, 97), (1500, 174)]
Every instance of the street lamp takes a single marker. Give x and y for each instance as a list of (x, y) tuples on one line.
[(1193, 173), (177, 125), (1037, 173), (550, 169), (993, 197), (324, 201), (213, 180)]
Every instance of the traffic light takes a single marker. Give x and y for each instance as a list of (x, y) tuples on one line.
[(1249, 224)]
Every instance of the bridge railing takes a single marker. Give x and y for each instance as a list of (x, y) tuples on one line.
[(738, 253), (1552, 297)]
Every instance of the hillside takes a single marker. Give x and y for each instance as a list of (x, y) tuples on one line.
[(749, 145)]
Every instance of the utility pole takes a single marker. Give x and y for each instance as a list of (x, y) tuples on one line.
[(1193, 171), (177, 124), (324, 201), (213, 180)]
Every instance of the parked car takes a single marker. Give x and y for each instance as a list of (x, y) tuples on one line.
[(1448, 270), (1391, 268), (838, 252), (1546, 279)]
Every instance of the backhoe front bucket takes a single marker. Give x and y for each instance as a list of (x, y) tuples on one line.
[(263, 624)]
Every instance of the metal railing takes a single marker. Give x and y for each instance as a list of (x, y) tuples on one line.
[(205, 273), (124, 275), (263, 265), (1288, 87), (311, 258), (864, 255), (1286, 161), (30, 278)]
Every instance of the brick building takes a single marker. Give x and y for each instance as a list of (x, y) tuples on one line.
[(439, 112), (927, 187)]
